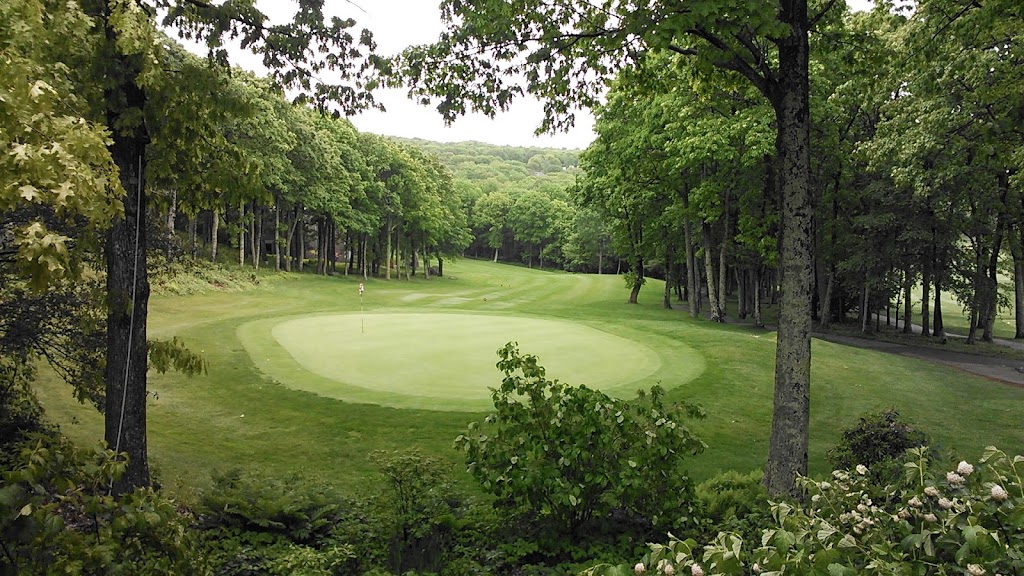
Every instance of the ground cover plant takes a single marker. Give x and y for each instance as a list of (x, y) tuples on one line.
[(238, 416)]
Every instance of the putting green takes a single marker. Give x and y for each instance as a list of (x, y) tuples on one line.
[(441, 361)]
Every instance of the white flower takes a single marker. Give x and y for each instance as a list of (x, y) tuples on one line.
[(975, 570), (862, 469), (639, 568), (930, 518), (915, 502), (931, 491), (954, 478), (964, 468), (756, 568), (999, 493), (904, 514), (696, 570), (945, 503), (668, 570), (824, 486), (815, 498)]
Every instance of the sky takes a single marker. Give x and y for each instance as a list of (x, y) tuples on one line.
[(397, 24)]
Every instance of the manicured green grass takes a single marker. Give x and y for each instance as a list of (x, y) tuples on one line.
[(240, 415), (436, 361)]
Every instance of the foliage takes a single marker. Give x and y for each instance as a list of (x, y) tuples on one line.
[(570, 455), (423, 508), (967, 520), (879, 442), (192, 276), (734, 502), (256, 524), (56, 514), (54, 155)]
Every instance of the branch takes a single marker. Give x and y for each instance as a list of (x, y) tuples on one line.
[(814, 20)]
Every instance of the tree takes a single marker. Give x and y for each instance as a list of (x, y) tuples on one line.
[(562, 51), (127, 65)]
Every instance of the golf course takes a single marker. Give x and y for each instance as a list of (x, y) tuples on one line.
[(304, 376)]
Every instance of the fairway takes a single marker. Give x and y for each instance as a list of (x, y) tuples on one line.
[(441, 361), (295, 383)]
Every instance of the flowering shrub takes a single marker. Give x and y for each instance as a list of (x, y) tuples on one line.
[(967, 519)]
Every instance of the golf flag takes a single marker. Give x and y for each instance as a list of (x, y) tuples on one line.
[(361, 289)]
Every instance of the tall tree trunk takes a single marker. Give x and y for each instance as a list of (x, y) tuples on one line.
[(908, 287), (127, 283), (495, 255), (1018, 286), (214, 225), (757, 298), (255, 235), (600, 256), (389, 227), (691, 259), (976, 302), (709, 273), (865, 309), (741, 294), (723, 268), (192, 244), (787, 450), (277, 234), (171, 214), (300, 242), (926, 281), (669, 278), (241, 234), (825, 315), (938, 330), (638, 280)]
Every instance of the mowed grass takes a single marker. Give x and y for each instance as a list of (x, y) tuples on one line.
[(267, 417)]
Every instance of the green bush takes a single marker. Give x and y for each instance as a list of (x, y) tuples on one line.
[(253, 524), (734, 502), (963, 519), (570, 455), (56, 516), (877, 441)]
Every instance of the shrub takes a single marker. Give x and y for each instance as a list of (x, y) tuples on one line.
[(964, 519), (734, 502), (879, 442), (571, 454), (57, 516), (253, 524)]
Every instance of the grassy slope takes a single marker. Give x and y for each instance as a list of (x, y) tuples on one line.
[(197, 426)]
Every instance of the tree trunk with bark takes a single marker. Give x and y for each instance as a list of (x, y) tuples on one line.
[(127, 285), (169, 227), (691, 259), (787, 451), (714, 304), (214, 225), (638, 280)]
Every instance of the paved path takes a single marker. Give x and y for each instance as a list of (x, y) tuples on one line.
[(1004, 370)]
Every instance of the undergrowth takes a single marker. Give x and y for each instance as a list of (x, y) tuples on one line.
[(191, 276)]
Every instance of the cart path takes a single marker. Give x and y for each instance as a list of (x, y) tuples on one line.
[(996, 368)]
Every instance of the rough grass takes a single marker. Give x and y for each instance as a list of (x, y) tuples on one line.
[(240, 416)]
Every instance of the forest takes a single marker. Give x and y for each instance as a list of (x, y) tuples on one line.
[(787, 169)]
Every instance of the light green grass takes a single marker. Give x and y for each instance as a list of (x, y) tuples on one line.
[(197, 426), (439, 361)]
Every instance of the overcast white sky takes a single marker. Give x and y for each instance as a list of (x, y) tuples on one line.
[(397, 24)]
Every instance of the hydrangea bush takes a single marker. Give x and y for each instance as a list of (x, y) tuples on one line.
[(964, 519)]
